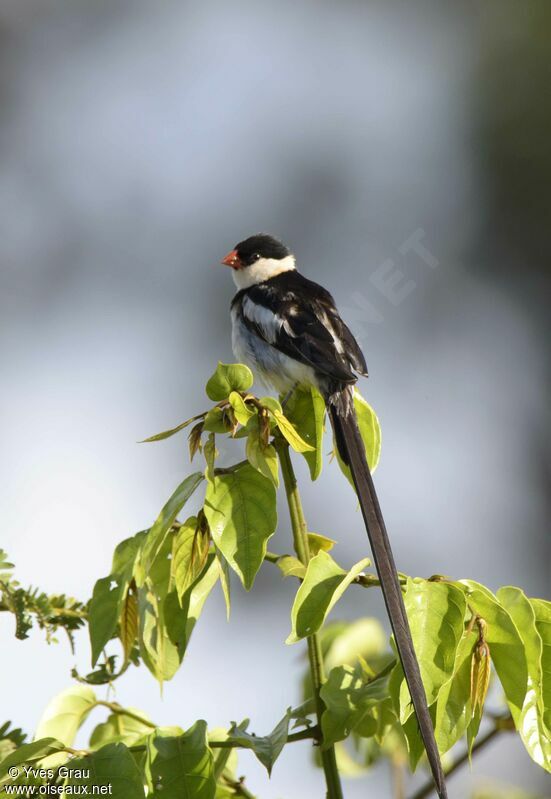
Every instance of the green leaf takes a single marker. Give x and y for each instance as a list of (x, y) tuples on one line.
[(436, 612), (211, 453), (166, 622), (350, 700), (215, 421), (305, 409), (66, 713), (111, 766), (241, 511), (266, 748), (172, 431), (159, 653), (415, 745), (324, 584), (317, 543), (228, 377), (190, 549), (534, 732), (159, 578), (180, 621), (291, 566), (30, 753), (542, 612), (128, 624), (289, 432), (224, 573), (120, 728), (126, 554), (271, 403), (453, 708), (480, 682), (370, 430), (167, 516), (181, 766), (506, 647), (109, 594), (6, 567), (104, 611), (225, 759), (243, 412), (263, 458), (531, 725)]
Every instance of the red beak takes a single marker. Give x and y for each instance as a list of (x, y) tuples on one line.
[(231, 259)]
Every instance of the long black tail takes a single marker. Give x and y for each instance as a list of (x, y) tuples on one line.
[(352, 451)]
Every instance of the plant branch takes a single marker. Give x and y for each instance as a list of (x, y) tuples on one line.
[(114, 707), (300, 537), (502, 724), (309, 733), (230, 469), (302, 735), (363, 580), (238, 786)]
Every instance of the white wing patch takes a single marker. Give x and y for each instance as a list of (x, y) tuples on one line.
[(269, 322), (326, 321)]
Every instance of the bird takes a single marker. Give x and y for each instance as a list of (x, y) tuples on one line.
[(288, 330)]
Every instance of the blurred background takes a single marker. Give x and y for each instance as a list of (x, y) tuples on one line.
[(402, 151)]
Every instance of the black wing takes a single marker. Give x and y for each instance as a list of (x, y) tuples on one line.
[(299, 318)]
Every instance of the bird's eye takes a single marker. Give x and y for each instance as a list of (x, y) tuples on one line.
[(256, 256)]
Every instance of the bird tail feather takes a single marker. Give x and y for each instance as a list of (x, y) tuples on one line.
[(352, 451)]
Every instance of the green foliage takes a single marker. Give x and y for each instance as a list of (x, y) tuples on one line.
[(180, 764), (267, 748), (109, 594), (190, 549), (112, 766), (121, 728), (146, 608), (66, 713), (436, 612), (306, 410), (30, 753), (324, 584), (50, 612), (289, 432), (10, 738), (504, 642), (228, 378), (263, 457), (352, 699), (370, 430), (532, 620), (241, 510), (167, 517)]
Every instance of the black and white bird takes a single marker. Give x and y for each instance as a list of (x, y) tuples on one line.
[(289, 331)]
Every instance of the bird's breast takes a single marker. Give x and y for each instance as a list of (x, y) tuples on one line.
[(271, 366)]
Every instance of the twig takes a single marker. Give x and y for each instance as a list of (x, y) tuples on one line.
[(114, 707), (502, 724), (303, 735), (300, 537), (238, 786)]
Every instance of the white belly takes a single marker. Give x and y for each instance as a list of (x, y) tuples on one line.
[(273, 368)]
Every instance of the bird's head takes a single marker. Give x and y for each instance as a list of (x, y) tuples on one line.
[(257, 259)]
